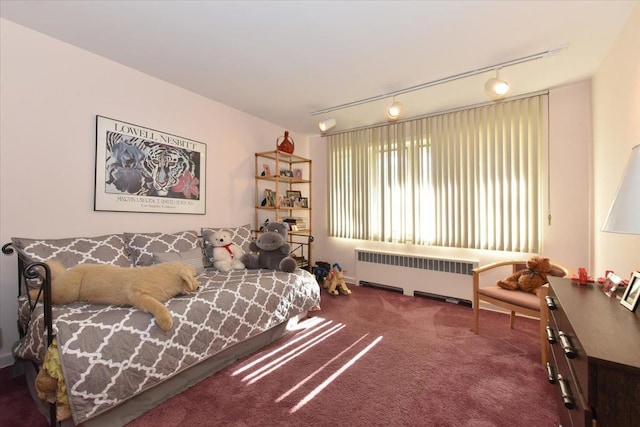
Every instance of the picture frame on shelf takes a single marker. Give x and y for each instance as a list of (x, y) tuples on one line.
[(293, 196), (266, 169), (270, 197), (297, 174), (631, 296), (304, 202)]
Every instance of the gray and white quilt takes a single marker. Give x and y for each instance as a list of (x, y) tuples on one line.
[(110, 354)]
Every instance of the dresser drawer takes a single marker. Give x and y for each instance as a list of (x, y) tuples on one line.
[(569, 369), (577, 360), (602, 370), (571, 404)]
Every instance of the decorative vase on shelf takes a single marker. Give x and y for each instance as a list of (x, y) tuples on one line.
[(284, 143)]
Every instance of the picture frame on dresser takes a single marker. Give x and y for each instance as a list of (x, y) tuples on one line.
[(631, 295)]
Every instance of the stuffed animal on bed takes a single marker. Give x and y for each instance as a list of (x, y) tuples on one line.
[(528, 279), (226, 254), (272, 248), (146, 288)]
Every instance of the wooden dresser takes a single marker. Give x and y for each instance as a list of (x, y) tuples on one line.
[(594, 356)]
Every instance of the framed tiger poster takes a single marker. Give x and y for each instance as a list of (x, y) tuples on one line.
[(144, 170)]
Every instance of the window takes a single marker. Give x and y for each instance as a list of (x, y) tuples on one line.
[(468, 179)]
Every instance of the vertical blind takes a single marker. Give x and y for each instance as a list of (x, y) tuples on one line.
[(468, 179)]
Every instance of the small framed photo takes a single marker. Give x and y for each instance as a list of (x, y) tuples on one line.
[(631, 295), (304, 202), (294, 198), (266, 170), (297, 174), (270, 197)]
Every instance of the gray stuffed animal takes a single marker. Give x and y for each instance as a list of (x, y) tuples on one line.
[(273, 250)]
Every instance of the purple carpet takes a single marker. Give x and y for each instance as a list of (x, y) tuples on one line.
[(375, 358)]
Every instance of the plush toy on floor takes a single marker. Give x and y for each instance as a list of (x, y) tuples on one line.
[(336, 284), (272, 248), (528, 279), (226, 254), (321, 271)]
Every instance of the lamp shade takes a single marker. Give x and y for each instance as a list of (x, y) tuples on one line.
[(624, 214)]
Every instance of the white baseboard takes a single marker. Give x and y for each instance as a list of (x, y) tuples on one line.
[(6, 359)]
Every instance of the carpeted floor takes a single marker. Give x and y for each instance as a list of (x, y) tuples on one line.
[(375, 358)]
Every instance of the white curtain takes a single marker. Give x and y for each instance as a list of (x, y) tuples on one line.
[(468, 179)]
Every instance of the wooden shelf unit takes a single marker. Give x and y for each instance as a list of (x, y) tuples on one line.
[(268, 167)]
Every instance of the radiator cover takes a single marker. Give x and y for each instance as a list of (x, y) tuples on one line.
[(447, 279)]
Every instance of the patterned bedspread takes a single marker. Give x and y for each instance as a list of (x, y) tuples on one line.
[(110, 354)]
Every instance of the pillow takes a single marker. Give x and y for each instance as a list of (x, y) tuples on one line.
[(241, 236), (192, 257), (109, 249), (142, 246)]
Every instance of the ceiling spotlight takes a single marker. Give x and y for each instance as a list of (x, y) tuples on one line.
[(394, 110), (327, 124), (496, 88)]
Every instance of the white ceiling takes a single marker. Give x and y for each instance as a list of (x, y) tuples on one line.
[(281, 60)]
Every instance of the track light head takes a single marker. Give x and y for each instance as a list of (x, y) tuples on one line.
[(394, 111), (496, 88), (327, 124)]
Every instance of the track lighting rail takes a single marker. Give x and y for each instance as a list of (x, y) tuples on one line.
[(521, 60)]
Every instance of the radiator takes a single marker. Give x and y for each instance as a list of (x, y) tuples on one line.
[(447, 279)]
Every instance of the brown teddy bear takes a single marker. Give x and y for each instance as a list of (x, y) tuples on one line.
[(528, 279)]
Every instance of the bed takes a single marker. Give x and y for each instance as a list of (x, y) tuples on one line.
[(116, 362)]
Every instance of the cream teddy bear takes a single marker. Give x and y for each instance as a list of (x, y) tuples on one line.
[(226, 254)]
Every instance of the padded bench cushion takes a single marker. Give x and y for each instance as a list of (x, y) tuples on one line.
[(524, 299)]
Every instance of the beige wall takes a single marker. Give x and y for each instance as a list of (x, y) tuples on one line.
[(616, 129), (51, 93)]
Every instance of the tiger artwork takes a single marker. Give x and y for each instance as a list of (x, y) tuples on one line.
[(146, 168)]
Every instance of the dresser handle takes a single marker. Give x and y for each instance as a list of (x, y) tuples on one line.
[(565, 342), (550, 375), (565, 390), (551, 304), (550, 335)]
